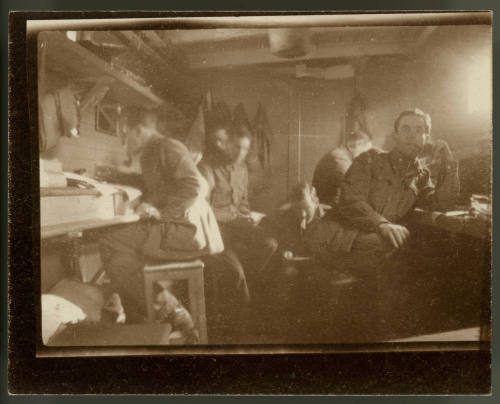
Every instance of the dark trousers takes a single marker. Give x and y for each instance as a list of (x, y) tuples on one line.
[(400, 291), (379, 286), (227, 297), (250, 248), (236, 276), (123, 262)]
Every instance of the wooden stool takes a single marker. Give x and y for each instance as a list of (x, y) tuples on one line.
[(190, 271)]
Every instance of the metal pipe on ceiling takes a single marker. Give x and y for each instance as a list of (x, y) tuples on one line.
[(240, 20)]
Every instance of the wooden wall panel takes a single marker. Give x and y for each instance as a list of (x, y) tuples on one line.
[(89, 149)]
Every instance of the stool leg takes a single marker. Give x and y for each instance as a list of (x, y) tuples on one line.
[(202, 316), (148, 291), (197, 302)]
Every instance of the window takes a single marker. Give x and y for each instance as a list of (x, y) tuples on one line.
[(107, 118)]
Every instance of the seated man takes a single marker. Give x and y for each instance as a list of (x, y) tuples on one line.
[(179, 224), (378, 192), (329, 172), (227, 176), (289, 223), (288, 226), (227, 290)]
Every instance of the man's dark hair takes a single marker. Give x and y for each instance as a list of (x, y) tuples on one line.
[(214, 126), (299, 191), (134, 116), (210, 140), (241, 132), (415, 112)]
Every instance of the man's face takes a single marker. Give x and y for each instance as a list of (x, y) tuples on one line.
[(306, 205), (219, 139), (137, 137), (240, 149), (411, 136), (310, 203)]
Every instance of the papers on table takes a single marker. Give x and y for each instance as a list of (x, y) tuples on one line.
[(481, 206), (452, 213), (104, 188)]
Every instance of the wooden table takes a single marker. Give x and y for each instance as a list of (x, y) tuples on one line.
[(71, 235), (477, 233), (84, 225), (464, 224)]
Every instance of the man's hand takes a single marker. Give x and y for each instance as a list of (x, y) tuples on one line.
[(244, 219), (244, 211), (147, 211), (441, 150), (105, 173), (397, 235)]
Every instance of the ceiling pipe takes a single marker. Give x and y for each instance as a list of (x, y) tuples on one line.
[(183, 20), (289, 43)]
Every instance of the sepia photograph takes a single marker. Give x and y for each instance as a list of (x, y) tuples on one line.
[(262, 184)]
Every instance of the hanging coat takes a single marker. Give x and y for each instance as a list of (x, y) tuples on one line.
[(262, 134), (216, 114), (58, 116), (196, 137), (356, 115)]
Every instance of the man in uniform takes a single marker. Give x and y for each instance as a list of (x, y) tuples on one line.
[(228, 182), (330, 171), (379, 191), (248, 248)]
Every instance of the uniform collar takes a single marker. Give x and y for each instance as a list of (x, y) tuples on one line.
[(401, 163), (218, 160)]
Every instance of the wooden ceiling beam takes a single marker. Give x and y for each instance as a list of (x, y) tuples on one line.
[(194, 37), (139, 45), (213, 58), (96, 93), (77, 63), (171, 53), (162, 71)]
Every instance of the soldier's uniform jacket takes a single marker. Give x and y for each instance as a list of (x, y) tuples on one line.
[(228, 188), (329, 172), (383, 187), (171, 183)]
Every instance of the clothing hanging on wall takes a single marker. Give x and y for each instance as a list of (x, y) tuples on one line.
[(59, 116), (219, 113), (240, 117), (196, 137), (262, 136), (356, 115)]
